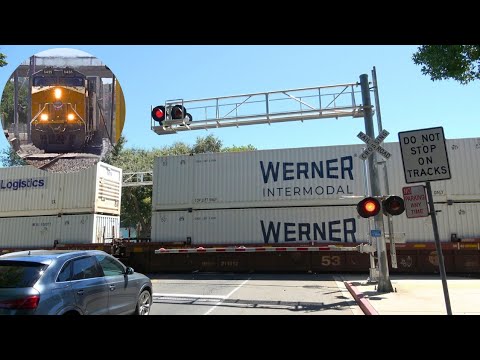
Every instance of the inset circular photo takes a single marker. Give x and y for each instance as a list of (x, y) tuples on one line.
[(62, 110)]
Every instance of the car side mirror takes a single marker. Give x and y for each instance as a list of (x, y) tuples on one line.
[(129, 270)]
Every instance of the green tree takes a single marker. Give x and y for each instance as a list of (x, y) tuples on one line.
[(7, 104), (207, 144), (115, 153), (235, 148), (8, 157), (457, 62), (2, 60)]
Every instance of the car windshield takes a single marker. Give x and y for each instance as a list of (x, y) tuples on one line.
[(20, 274)]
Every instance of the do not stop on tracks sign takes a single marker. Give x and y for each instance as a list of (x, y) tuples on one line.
[(424, 155)]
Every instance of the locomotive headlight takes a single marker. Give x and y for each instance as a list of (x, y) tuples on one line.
[(44, 117), (70, 117), (58, 93)]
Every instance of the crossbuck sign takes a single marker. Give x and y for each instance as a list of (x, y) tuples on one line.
[(373, 145)]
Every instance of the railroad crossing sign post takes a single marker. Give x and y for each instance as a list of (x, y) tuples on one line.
[(384, 284), (425, 158)]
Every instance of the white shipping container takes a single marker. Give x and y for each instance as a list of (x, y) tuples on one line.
[(270, 178), (305, 225), (314, 176), (42, 231), (28, 191)]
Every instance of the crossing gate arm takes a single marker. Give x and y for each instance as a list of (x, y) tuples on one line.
[(362, 248)]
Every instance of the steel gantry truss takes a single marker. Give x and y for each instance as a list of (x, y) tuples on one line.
[(142, 178), (332, 101)]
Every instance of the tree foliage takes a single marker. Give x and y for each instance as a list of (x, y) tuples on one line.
[(2, 60), (207, 144), (235, 148), (9, 157), (458, 62), (137, 201), (7, 105)]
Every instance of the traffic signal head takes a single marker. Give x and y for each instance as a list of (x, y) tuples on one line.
[(368, 207), (158, 113), (393, 205)]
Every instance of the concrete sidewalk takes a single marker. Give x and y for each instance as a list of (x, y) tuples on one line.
[(416, 295)]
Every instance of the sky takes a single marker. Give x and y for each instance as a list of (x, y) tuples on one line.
[(152, 74)]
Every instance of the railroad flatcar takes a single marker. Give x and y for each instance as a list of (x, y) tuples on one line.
[(60, 117)]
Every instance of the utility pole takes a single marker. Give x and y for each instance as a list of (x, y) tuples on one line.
[(384, 284)]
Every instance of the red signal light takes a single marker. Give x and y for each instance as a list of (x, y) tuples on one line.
[(158, 113), (368, 207)]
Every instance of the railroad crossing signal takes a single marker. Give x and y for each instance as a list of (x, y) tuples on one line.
[(374, 145), (391, 205), (171, 114), (368, 207)]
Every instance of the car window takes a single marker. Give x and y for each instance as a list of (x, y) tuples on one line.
[(85, 268), (66, 273), (20, 274), (110, 266)]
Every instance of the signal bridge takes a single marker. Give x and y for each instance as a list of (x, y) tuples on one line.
[(321, 102)]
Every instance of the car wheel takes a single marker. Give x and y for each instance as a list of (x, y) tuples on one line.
[(144, 303)]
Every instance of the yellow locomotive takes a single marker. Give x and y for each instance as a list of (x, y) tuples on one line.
[(60, 110)]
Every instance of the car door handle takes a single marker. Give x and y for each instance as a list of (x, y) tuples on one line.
[(112, 287), (80, 292)]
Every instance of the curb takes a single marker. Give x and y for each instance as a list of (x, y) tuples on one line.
[(364, 304)]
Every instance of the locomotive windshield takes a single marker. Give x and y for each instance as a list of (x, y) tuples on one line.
[(58, 81)]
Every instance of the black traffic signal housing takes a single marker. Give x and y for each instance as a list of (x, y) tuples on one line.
[(368, 207), (393, 205), (176, 114)]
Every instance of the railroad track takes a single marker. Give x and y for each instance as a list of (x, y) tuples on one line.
[(62, 162)]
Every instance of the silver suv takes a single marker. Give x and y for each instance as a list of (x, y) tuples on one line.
[(71, 282)]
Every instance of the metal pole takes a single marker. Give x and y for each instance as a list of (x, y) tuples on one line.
[(112, 110), (384, 284), (393, 253), (31, 71), (15, 105), (441, 264)]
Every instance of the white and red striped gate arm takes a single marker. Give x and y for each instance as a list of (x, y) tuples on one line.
[(243, 249)]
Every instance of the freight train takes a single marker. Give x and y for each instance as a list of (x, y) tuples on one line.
[(301, 196), (60, 117)]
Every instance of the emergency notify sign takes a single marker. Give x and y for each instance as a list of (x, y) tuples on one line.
[(415, 201)]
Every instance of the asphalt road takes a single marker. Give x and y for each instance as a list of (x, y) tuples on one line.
[(251, 294)]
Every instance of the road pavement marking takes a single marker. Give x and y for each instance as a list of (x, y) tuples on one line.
[(189, 296), (229, 294)]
